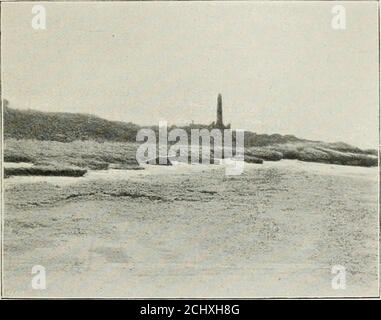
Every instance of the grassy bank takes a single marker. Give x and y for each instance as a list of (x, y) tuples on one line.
[(326, 153), (82, 154), (103, 155)]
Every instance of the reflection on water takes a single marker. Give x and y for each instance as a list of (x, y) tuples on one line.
[(18, 164), (112, 174), (33, 179), (181, 168)]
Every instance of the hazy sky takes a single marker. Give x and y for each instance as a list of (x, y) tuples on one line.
[(280, 67)]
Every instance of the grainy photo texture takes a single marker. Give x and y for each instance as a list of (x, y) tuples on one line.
[(190, 149)]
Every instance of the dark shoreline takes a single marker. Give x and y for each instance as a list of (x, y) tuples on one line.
[(44, 171)]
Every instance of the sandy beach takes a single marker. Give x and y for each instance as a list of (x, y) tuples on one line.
[(192, 231)]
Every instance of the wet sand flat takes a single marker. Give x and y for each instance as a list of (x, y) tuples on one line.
[(276, 230)]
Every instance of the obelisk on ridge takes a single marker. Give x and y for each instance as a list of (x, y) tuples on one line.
[(219, 123)]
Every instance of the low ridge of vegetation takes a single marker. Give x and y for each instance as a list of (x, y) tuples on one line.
[(56, 140)]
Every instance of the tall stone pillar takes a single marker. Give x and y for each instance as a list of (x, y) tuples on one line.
[(219, 123)]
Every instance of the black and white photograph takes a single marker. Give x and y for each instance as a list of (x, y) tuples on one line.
[(190, 149)]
